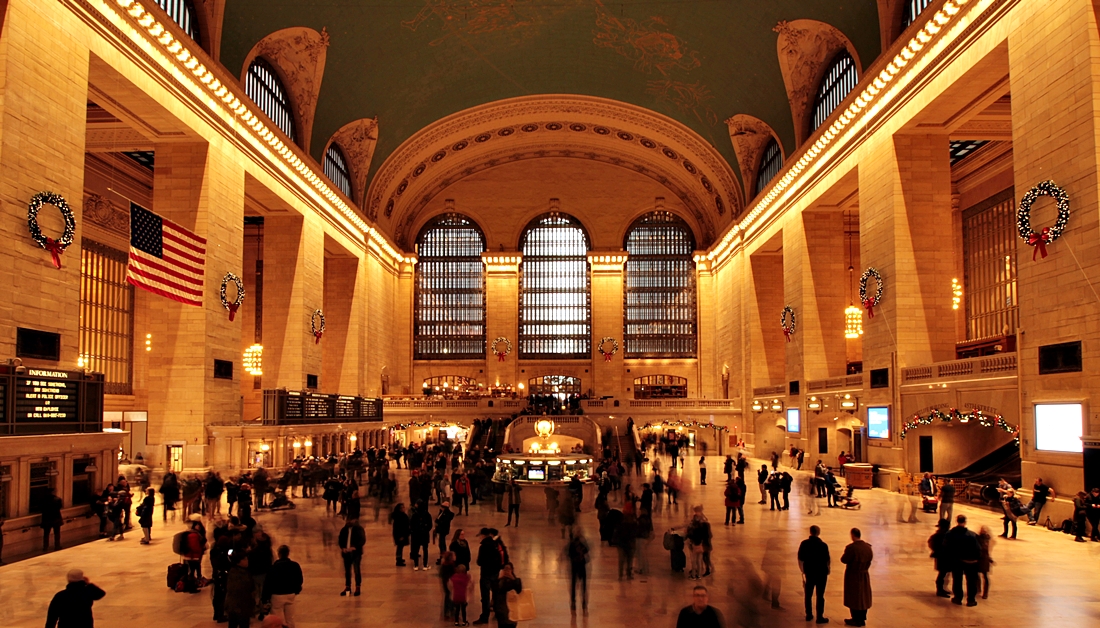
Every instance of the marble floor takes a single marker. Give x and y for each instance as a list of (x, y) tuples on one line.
[(1042, 579)]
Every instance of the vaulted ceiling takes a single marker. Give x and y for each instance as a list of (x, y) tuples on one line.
[(412, 62)]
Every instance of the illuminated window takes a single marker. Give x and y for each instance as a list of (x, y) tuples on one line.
[(336, 169), (838, 82), (106, 317), (660, 386), (266, 90), (911, 10), (769, 165), (450, 290), (989, 265), (554, 385), (555, 310), (659, 319), (182, 12)]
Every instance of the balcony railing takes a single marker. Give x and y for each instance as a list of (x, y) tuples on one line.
[(769, 391), (977, 368), (514, 405), (845, 382), (293, 407)]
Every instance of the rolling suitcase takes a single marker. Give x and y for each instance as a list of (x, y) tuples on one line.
[(176, 572)]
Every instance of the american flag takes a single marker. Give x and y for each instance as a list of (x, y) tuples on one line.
[(165, 259)]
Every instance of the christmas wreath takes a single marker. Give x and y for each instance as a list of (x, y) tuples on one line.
[(58, 246), (870, 302), (1048, 234), (318, 331), (232, 307), (603, 347), (788, 330), (501, 353)]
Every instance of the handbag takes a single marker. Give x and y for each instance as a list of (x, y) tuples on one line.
[(521, 606)]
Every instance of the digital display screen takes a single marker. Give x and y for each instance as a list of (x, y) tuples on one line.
[(1059, 427), (45, 400), (536, 473), (794, 420), (878, 422)]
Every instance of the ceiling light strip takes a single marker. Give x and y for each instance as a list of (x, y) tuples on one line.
[(222, 100), (843, 126)]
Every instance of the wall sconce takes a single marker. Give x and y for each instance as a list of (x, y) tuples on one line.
[(309, 443), (265, 447), (956, 293), (777, 405), (253, 360), (81, 362), (849, 403), (296, 444), (148, 342), (91, 468), (814, 404), (353, 438), (757, 406)]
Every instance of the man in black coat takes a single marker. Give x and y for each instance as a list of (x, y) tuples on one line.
[(813, 560), (351, 541), (282, 586), (491, 561), (962, 549), (72, 606), (51, 520), (443, 528)]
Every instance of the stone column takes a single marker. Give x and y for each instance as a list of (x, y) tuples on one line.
[(765, 335), (607, 321), (294, 260), (343, 311), (709, 371), (502, 316)]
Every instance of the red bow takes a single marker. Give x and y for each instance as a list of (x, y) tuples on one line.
[(54, 247), (870, 305), (787, 334), (1040, 242), (500, 356), (607, 357), (233, 311), (316, 334)]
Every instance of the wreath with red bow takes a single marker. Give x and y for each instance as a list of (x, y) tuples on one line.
[(501, 351), (58, 246), (236, 304), (788, 330), (1048, 234), (870, 302), (318, 330)]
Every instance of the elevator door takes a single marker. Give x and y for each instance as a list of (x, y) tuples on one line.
[(926, 464)]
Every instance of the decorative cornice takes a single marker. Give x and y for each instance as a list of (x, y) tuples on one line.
[(104, 213), (518, 128)]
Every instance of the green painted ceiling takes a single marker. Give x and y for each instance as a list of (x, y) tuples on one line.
[(412, 62)]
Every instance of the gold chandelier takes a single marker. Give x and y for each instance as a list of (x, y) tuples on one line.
[(853, 316)]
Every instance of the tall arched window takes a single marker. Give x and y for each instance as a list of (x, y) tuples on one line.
[(911, 10), (336, 169), (266, 90), (840, 79), (555, 310), (182, 12), (659, 317), (770, 165), (450, 290)]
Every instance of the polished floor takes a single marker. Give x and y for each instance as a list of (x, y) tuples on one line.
[(1042, 579)]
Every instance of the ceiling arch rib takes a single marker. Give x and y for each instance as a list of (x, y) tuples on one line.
[(534, 127)]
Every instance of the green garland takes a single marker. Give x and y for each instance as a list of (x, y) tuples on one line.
[(720, 428), (963, 417)]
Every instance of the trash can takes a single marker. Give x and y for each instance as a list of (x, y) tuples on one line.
[(859, 475)]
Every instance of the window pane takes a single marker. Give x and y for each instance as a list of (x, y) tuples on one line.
[(989, 263), (266, 90), (450, 291), (555, 316), (838, 82), (660, 288), (912, 9), (106, 316), (770, 165), (336, 169), (182, 12)]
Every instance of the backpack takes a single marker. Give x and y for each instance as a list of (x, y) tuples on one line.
[(1067, 526)]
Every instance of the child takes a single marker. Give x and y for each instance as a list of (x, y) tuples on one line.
[(460, 586)]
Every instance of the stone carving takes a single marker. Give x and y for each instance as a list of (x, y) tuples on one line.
[(805, 49), (749, 136), (576, 126), (357, 140), (104, 213), (299, 55)]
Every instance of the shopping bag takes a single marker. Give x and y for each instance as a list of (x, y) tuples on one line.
[(521, 606)]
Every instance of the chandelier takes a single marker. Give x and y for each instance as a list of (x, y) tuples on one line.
[(853, 316)]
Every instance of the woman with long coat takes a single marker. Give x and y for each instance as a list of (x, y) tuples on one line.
[(857, 582)]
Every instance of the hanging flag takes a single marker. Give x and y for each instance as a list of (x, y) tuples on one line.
[(165, 259)]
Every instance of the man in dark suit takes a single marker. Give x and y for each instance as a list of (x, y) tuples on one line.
[(963, 551), (813, 560)]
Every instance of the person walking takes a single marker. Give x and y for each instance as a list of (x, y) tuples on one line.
[(461, 492), (71, 607), (813, 561), (508, 582), (513, 502), (702, 470), (947, 501), (145, 515), (351, 541), (762, 480), (985, 559), (1012, 509), (169, 494), (786, 481), (733, 502), (399, 521), (490, 559), (774, 485), (213, 488), (220, 563), (941, 559), (51, 522), (282, 586), (420, 528), (857, 581), (727, 468), (578, 553), (240, 600), (443, 528), (1040, 494), (964, 552), (700, 614)]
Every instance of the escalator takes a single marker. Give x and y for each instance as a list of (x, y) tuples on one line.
[(978, 481)]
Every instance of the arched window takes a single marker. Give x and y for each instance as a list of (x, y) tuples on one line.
[(555, 310), (267, 91), (182, 12), (336, 169), (659, 319), (450, 290), (839, 80), (770, 165), (911, 10)]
